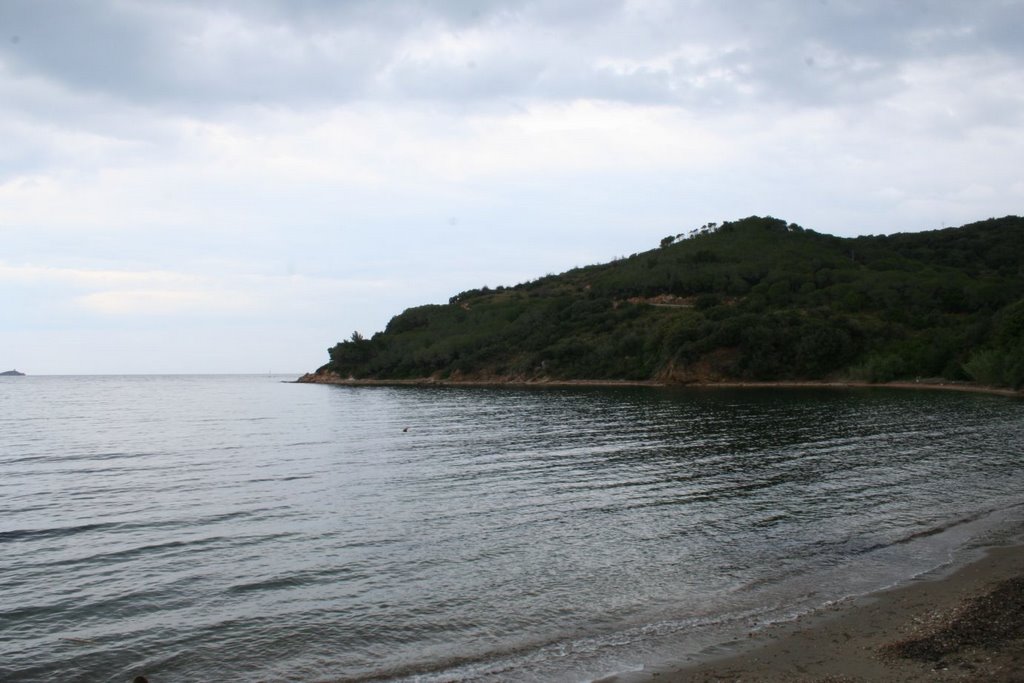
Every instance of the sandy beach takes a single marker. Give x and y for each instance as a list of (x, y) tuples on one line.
[(964, 625)]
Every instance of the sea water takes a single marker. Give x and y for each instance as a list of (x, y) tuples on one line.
[(237, 528)]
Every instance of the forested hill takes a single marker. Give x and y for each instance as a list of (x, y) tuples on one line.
[(754, 299)]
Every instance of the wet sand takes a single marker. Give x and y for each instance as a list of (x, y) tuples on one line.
[(967, 625)]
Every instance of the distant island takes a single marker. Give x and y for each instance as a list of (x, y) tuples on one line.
[(12, 373), (753, 300)]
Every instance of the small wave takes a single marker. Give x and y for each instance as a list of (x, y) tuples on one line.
[(17, 535), (545, 658), (925, 533), (294, 580), (75, 610), (20, 535), (855, 545), (167, 548), (271, 479)]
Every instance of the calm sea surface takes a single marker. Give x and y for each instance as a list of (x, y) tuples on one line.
[(240, 528)]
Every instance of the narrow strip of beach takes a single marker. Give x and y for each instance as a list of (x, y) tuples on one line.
[(965, 624), (926, 385)]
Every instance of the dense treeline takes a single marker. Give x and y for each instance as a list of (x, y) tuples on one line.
[(754, 299)]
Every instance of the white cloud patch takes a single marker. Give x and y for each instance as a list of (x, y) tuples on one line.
[(173, 294), (164, 302)]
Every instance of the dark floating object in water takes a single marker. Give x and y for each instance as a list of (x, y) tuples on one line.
[(12, 373)]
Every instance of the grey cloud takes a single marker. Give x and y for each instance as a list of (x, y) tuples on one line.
[(85, 46), (173, 53), (203, 55)]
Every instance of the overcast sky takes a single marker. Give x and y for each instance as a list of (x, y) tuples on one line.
[(235, 186)]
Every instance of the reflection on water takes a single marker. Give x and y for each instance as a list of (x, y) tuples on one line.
[(238, 527)]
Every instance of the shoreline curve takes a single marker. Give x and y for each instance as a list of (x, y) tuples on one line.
[(926, 385), (962, 622)]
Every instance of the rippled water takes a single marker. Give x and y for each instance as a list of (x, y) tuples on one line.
[(240, 528)]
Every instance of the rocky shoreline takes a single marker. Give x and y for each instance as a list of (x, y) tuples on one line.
[(929, 384)]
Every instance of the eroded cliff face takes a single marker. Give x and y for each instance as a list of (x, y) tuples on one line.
[(713, 367), (318, 377)]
